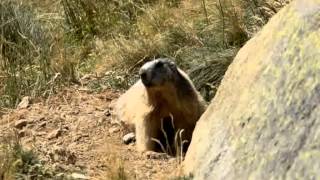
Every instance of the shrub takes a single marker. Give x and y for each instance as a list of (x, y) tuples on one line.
[(18, 163)]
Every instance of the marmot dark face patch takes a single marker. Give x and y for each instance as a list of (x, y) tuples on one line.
[(156, 73)]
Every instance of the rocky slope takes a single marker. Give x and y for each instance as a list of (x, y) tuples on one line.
[(76, 135), (264, 122)]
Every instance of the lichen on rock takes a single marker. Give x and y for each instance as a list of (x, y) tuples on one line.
[(264, 122)]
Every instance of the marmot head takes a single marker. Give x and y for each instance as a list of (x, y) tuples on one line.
[(157, 73)]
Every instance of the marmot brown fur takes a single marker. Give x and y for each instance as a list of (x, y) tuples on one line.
[(163, 99)]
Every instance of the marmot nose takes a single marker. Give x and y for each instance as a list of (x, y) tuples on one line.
[(143, 76), (144, 79)]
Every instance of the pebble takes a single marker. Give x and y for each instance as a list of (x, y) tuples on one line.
[(60, 175), (54, 134), (78, 176), (128, 138), (20, 124), (114, 130), (107, 113), (156, 155), (25, 102), (22, 133), (42, 124)]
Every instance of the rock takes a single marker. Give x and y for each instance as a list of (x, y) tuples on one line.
[(78, 176), (42, 124), (101, 120), (79, 136), (40, 133), (264, 122), (114, 130), (20, 123), (60, 153), (87, 77), (129, 138), (115, 121), (60, 176), (54, 134), (39, 118), (25, 102), (59, 167), (107, 112), (156, 155), (22, 133)]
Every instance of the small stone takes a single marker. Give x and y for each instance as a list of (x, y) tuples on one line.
[(54, 134), (172, 160), (156, 155), (25, 102), (59, 150), (41, 133), (79, 136), (78, 176), (114, 130), (40, 118), (101, 120), (107, 113), (75, 112), (129, 138), (20, 124), (60, 175), (59, 167), (87, 77), (22, 133), (42, 124), (114, 121)]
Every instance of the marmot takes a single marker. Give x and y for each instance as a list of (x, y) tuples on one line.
[(163, 99)]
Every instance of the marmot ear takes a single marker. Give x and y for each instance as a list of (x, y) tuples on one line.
[(172, 65)]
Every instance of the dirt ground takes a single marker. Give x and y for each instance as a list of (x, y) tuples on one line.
[(75, 131)]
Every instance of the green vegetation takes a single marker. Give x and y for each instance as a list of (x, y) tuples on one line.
[(190, 177), (17, 163)]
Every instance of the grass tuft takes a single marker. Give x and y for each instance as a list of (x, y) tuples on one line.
[(18, 163), (24, 53)]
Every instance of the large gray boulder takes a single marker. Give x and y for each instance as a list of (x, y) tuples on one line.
[(264, 122)]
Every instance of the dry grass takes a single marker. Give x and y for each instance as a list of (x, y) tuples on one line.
[(116, 163), (25, 50), (44, 45), (117, 170), (202, 36), (175, 145), (31, 52)]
